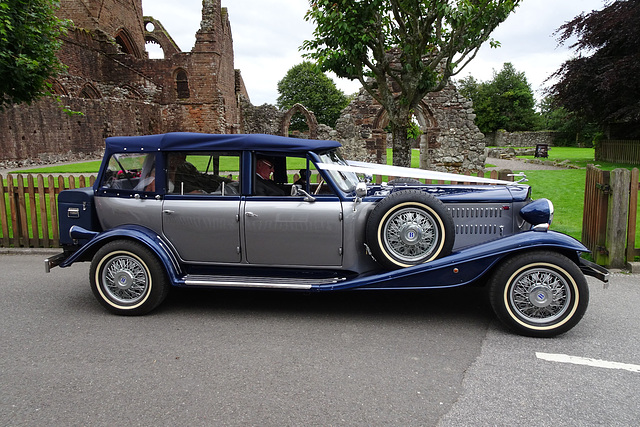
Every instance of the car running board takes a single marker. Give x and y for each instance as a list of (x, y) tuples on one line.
[(258, 281)]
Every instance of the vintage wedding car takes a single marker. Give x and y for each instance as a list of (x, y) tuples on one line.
[(186, 209)]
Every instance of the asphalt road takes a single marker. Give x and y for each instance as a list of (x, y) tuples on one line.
[(289, 359)]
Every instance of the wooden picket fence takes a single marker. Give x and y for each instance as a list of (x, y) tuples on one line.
[(618, 151), (29, 212), (610, 215)]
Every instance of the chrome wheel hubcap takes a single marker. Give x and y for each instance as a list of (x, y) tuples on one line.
[(540, 295), (410, 235), (125, 279)]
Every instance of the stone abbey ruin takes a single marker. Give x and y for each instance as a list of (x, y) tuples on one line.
[(120, 91)]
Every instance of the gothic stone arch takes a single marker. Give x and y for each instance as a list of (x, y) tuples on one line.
[(312, 122), (450, 141), (89, 91), (159, 36), (125, 41)]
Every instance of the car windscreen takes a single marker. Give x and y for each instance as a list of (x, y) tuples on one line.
[(346, 181)]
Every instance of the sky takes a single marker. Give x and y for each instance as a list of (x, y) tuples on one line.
[(267, 35)]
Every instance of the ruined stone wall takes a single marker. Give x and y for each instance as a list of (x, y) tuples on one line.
[(503, 138), (459, 144), (109, 16), (450, 142), (47, 136), (124, 93), (260, 119)]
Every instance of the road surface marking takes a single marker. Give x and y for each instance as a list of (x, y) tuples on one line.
[(563, 358)]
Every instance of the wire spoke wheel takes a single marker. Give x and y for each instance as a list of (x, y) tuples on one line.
[(125, 279), (410, 235), (409, 227), (540, 295)]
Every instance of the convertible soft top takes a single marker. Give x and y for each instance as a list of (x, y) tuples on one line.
[(189, 141)]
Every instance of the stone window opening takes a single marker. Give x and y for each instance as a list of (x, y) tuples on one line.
[(154, 49), (182, 84), (126, 44)]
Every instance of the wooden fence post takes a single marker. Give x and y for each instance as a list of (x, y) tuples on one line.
[(594, 219), (618, 217), (633, 215), (503, 174)]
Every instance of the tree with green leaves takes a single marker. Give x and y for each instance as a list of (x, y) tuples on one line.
[(505, 102), (572, 129), (602, 85), (29, 41), (306, 84), (400, 50)]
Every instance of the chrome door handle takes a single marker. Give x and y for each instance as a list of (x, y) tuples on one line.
[(168, 211), (250, 214)]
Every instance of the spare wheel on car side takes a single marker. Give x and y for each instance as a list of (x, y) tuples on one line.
[(409, 227)]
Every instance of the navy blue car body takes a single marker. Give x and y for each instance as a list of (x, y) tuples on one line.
[(199, 210)]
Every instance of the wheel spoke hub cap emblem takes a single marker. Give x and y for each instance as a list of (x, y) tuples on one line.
[(540, 296), (123, 280), (411, 234)]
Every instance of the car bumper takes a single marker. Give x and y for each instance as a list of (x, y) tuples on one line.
[(594, 270)]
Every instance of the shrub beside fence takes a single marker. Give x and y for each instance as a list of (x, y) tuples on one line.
[(29, 208)]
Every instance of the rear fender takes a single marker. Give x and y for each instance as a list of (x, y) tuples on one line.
[(131, 232)]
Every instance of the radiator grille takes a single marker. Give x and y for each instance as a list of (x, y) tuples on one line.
[(462, 212), (478, 229)]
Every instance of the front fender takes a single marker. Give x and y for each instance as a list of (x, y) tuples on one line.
[(132, 232), (466, 265)]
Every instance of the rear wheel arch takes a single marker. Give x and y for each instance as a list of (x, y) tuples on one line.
[(127, 277)]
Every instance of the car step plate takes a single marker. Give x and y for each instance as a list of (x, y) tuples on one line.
[(259, 281)]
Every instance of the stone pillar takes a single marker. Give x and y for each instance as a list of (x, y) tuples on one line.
[(424, 151)]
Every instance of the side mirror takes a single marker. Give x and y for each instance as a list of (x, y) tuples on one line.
[(296, 190), (361, 189)]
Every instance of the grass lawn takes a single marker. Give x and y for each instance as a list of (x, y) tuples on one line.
[(565, 188), (89, 168), (580, 157)]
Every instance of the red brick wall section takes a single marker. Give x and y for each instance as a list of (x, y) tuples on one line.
[(131, 95), (52, 135), (108, 16)]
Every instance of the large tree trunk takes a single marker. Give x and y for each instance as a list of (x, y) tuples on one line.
[(401, 146)]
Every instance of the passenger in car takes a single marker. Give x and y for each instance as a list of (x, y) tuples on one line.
[(264, 185), (185, 177)]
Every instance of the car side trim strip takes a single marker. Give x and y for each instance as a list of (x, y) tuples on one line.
[(258, 282)]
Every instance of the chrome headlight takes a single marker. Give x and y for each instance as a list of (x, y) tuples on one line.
[(538, 212)]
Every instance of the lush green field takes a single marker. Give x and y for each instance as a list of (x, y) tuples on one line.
[(580, 157), (565, 188), (89, 168)]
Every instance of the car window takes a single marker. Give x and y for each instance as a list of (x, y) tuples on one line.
[(124, 171), (275, 176), (211, 173)]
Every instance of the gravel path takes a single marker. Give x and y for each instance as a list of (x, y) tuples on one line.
[(519, 165)]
